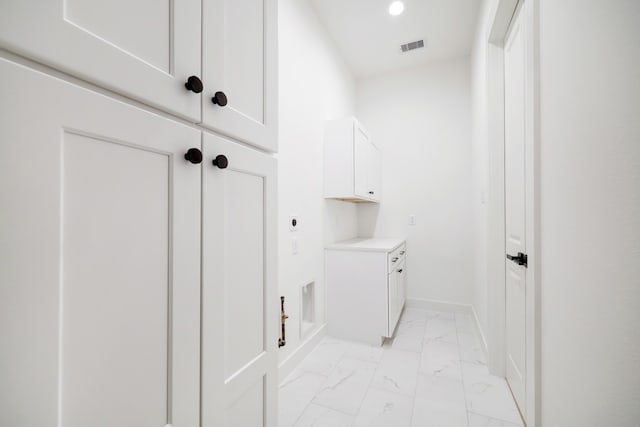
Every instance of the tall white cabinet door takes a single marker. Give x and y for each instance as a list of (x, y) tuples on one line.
[(240, 317), (362, 161), (144, 49), (239, 65), (99, 260)]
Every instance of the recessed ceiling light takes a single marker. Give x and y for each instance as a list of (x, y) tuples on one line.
[(396, 8)]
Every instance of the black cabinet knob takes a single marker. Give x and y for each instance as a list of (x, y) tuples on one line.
[(219, 98), (221, 161), (370, 192), (194, 156), (194, 84)]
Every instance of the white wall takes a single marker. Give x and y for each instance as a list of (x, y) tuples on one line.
[(421, 121), (480, 157), (590, 212), (315, 85)]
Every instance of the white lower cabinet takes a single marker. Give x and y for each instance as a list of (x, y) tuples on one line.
[(365, 288), (103, 304)]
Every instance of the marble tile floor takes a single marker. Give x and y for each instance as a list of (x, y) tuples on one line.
[(431, 374)]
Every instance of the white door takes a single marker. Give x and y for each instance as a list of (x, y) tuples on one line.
[(99, 260), (239, 67), (240, 320), (144, 49), (361, 160), (515, 244)]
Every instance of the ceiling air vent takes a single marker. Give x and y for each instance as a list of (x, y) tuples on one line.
[(413, 45)]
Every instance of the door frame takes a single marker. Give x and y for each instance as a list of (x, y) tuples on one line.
[(500, 17)]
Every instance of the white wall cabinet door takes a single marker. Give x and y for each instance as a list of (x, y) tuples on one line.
[(352, 163), (239, 67), (362, 162), (144, 49), (100, 277), (240, 303), (375, 173)]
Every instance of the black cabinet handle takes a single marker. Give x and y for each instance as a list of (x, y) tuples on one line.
[(394, 259), (219, 98), (370, 192), (401, 252), (221, 161), (194, 84), (194, 156), (400, 271), (520, 259)]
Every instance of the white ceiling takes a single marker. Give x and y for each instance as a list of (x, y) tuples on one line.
[(369, 38)]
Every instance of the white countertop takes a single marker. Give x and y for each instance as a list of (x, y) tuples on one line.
[(367, 244)]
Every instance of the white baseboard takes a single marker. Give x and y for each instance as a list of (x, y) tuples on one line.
[(288, 365), (430, 304)]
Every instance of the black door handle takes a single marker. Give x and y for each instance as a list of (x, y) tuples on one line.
[(520, 259)]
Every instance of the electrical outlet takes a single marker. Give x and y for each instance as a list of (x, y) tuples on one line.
[(294, 223)]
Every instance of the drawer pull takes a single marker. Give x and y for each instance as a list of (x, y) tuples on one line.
[(401, 252), (394, 259), (400, 271)]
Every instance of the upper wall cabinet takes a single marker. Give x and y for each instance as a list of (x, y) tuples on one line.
[(352, 165), (209, 61), (143, 49), (239, 68)]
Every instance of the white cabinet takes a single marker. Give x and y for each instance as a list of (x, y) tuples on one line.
[(352, 163), (148, 50), (239, 63), (365, 288), (108, 314), (100, 260), (239, 354), (144, 49)]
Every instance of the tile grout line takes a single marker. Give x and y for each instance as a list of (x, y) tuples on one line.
[(316, 394), (415, 394), (368, 388), (464, 388)]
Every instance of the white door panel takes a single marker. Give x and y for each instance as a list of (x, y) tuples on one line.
[(515, 209), (99, 241), (240, 59), (361, 156), (240, 302), (144, 49), (375, 172)]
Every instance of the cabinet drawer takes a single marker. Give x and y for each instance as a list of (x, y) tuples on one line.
[(396, 257)]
